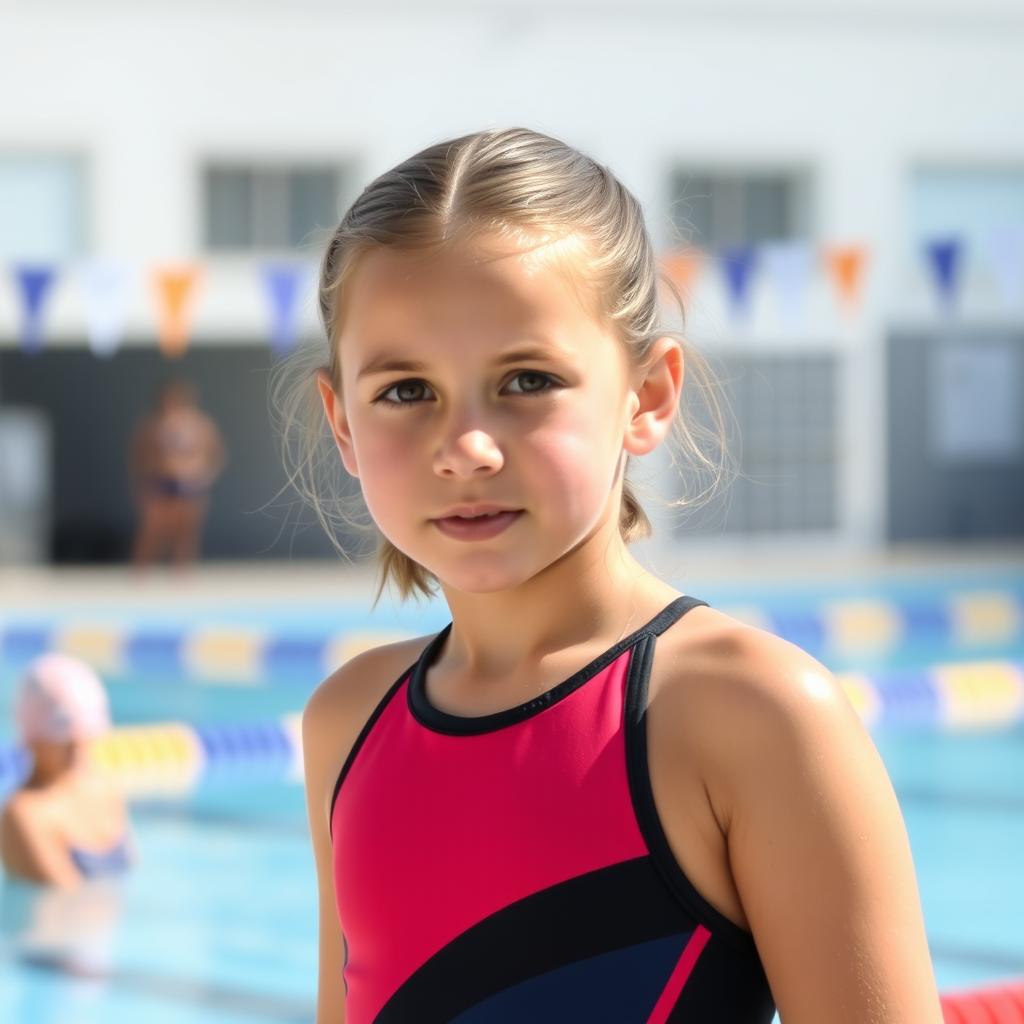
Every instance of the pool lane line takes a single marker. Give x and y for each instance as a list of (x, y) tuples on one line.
[(173, 758), (170, 988), (964, 618)]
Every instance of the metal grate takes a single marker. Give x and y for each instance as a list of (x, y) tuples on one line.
[(786, 452)]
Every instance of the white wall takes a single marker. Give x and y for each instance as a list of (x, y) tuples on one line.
[(859, 91)]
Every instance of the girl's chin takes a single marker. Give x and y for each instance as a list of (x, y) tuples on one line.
[(481, 580)]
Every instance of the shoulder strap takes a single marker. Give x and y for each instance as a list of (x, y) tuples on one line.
[(673, 611)]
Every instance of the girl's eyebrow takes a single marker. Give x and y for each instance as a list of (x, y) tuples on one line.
[(387, 362)]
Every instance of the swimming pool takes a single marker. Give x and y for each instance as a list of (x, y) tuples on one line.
[(219, 921)]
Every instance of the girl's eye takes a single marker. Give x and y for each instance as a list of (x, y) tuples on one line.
[(403, 385), (536, 376)]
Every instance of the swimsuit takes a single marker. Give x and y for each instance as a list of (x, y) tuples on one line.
[(179, 436), (112, 861), (512, 867), (173, 487)]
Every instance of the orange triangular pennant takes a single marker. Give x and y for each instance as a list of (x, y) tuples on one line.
[(174, 288), (845, 265), (682, 266)]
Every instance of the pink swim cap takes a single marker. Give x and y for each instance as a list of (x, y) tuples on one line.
[(60, 699)]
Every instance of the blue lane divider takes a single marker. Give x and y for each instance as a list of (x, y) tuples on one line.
[(952, 696), (287, 655), (927, 621), (908, 698), (805, 628), (23, 643), (146, 759), (230, 744), (153, 650), (955, 623)]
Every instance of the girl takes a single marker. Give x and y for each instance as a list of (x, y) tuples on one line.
[(589, 797), (66, 822)]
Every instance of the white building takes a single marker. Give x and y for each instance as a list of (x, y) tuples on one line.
[(219, 132)]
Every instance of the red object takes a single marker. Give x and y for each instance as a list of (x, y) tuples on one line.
[(999, 1004)]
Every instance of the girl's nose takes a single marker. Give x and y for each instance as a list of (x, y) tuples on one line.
[(468, 452)]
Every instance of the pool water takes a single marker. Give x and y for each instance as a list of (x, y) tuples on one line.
[(962, 799), (218, 923)]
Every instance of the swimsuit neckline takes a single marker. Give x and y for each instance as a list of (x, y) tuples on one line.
[(434, 718)]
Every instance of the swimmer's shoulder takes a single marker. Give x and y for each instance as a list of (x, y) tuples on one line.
[(814, 839), (27, 834), (732, 692), (340, 706), (15, 832), (29, 808), (16, 816), (363, 680)]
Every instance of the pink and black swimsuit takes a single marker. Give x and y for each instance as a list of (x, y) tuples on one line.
[(512, 867)]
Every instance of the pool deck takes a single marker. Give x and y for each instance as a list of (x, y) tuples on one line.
[(245, 584)]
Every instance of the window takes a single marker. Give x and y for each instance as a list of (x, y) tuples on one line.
[(269, 207), (786, 412), (42, 207), (715, 208), (967, 203)]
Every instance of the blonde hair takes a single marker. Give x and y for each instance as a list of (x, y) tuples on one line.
[(515, 182)]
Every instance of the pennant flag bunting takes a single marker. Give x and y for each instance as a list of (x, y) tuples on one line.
[(283, 284), (682, 267), (34, 282), (105, 286), (1004, 249), (845, 266), (174, 288), (788, 266), (738, 263), (944, 260)]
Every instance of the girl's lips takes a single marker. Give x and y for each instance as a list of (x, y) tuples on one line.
[(482, 528)]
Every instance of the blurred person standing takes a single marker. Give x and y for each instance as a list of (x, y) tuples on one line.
[(177, 453), (67, 821)]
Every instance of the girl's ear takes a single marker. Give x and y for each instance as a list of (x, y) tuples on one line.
[(656, 388), (335, 413)]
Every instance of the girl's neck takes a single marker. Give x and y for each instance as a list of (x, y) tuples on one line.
[(495, 636)]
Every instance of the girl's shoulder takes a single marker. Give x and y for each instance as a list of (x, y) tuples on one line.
[(339, 707), (734, 668), (733, 688), (816, 843), (738, 701), (363, 679)]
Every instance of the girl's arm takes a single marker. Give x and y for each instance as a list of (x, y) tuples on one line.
[(320, 736), (333, 718), (817, 844)]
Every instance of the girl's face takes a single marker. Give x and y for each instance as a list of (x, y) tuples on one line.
[(473, 379)]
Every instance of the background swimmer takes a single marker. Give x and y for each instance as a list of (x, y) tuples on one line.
[(67, 821)]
